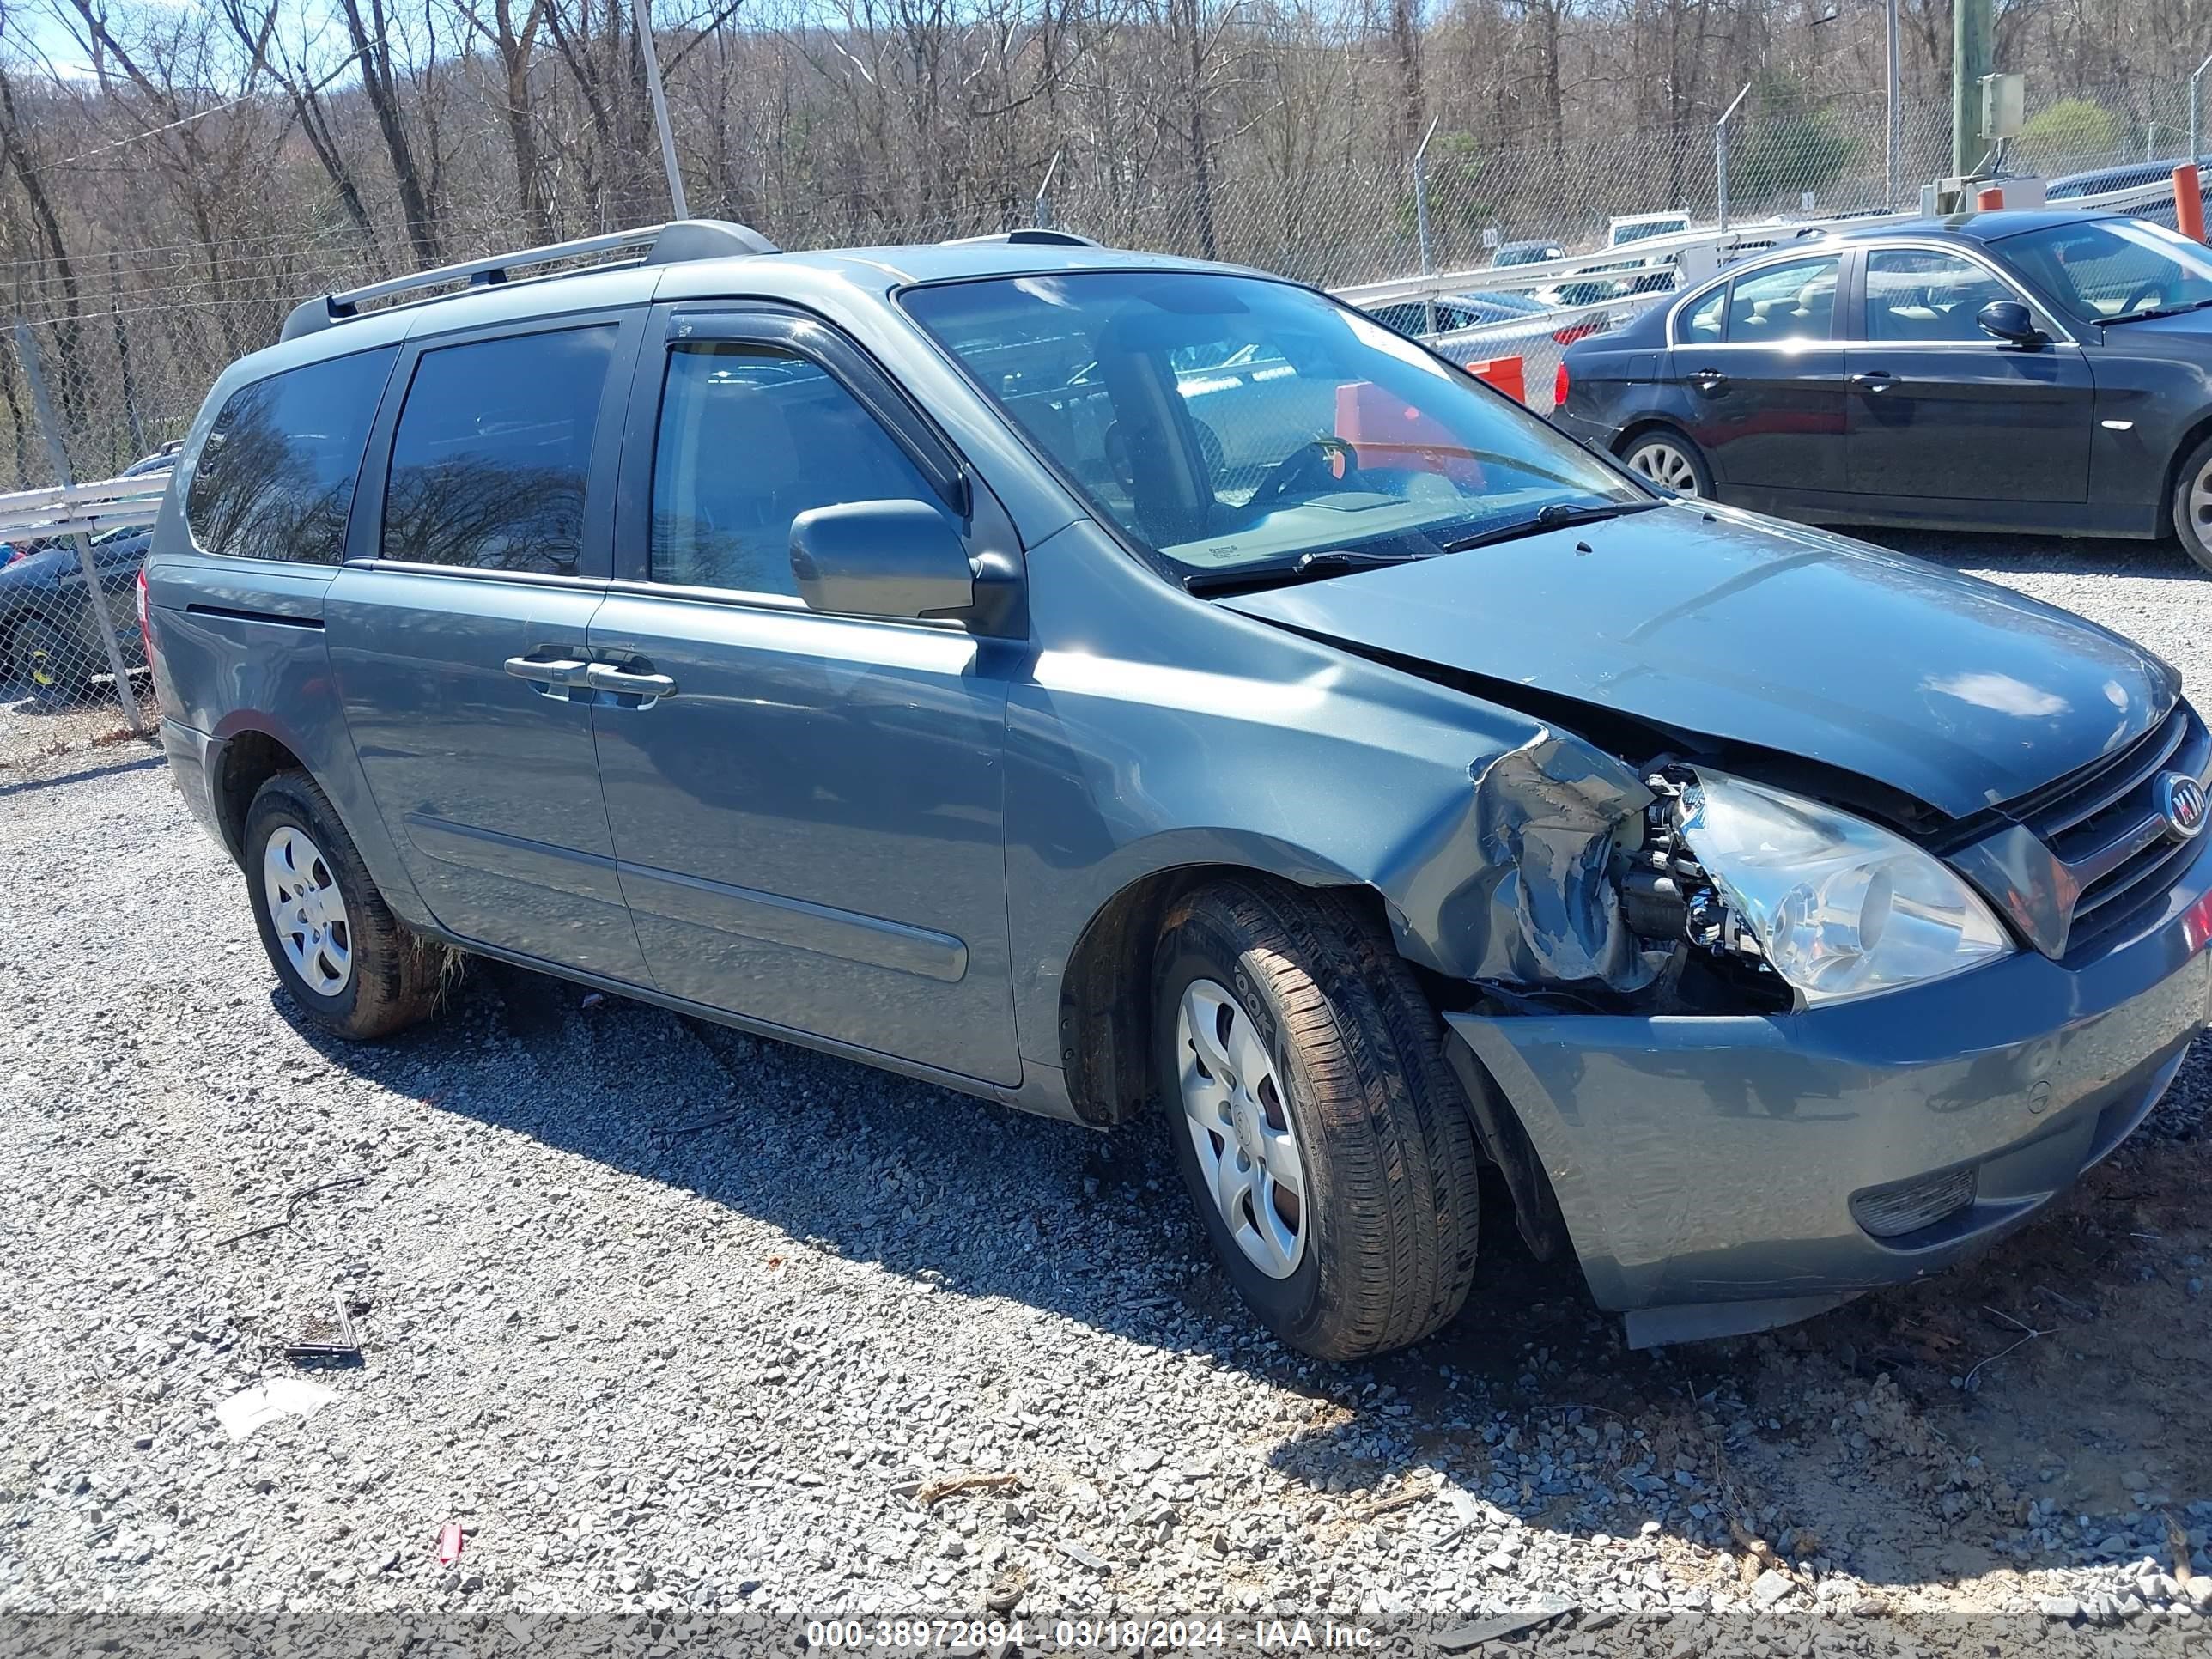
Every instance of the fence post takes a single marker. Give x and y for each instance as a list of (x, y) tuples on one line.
[(1720, 157), (1421, 216), (2196, 129), (1043, 214), (1889, 197), (96, 610), (652, 55)]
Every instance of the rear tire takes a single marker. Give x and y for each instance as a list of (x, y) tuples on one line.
[(335, 944), (1670, 460), (1338, 1185), (2192, 503)]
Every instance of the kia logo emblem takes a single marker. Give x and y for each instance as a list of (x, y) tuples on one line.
[(2181, 800)]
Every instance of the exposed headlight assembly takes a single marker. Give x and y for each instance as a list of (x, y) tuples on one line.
[(1839, 908)]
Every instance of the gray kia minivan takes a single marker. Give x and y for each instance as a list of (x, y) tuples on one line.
[(1112, 684)]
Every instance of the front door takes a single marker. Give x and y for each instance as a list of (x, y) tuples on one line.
[(458, 632), (1941, 411), (1763, 379), (806, 808)]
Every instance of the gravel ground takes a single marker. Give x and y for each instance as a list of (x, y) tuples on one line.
[(675, 1324)]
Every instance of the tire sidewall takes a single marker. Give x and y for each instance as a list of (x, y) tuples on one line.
[(1198, 949), (279, 806)]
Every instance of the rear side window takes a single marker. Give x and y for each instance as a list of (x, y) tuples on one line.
[(1796, 301), (751, 437), (275, 479), (492, 450)]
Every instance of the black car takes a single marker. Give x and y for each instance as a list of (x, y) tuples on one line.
[(49, 644), (2043, 370)]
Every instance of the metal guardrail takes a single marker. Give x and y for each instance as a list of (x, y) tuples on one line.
[(64, 510), (1723, 246)]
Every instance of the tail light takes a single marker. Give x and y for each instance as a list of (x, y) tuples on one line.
[(1582, 331), (1560, 382)]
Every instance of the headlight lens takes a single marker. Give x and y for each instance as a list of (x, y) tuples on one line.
[(1841, 908)]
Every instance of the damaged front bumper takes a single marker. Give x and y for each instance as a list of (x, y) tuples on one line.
[(1724, 1174)]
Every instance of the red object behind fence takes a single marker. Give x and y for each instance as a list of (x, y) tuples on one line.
[(2188, 202), (1506, 373), (1990, 199)]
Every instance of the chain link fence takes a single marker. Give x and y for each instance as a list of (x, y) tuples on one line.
[(128, 349)]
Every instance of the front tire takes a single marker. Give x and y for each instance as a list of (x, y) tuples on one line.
[(1321, 1136), (2192, 503), (335, 944), (1669, 460), (47, 660)]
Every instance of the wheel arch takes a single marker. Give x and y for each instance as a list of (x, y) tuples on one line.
[(1105, 1006), (2186, 446), (247, 758)]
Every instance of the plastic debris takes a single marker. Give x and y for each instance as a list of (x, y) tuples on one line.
[(264, 1402), (449, 1543)]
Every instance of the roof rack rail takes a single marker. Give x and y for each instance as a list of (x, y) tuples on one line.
[(672, 243), (1026, 236)]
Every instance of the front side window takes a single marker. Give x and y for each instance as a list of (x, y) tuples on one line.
[(1793, 301), (1228, 422), (2112, 270), (749, 438), (275, 479), (1912, 295), (492, 451)]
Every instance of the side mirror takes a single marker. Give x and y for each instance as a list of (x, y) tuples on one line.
[(2010, 321), (881, 559)]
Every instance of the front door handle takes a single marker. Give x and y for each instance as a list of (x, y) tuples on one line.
[(629, 682), (1874, 380), (558, 672)]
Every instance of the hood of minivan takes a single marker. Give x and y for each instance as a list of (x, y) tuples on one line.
[(1958, 693)]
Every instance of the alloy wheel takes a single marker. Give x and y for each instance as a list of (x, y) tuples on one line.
[(307, 911), (1240, 1124), (2200, 502), (1664, 462)]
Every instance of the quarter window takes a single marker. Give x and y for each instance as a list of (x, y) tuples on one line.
[(1794, 301), (749, 438), (494, 445), (1918, 294), (275, 477), (1702, 324)]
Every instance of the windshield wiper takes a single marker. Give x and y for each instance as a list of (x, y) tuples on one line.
[(1559, 515), (1323, 562), (2158, 311)]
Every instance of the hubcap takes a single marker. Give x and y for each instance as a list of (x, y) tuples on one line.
[(1240, 1124), (1663, 464), (307, 911)]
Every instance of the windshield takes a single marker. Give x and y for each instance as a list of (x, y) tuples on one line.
[(2105, 271), (1230, 422)]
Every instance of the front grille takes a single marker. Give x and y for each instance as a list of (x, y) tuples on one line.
[(1906, 1206), (2106, 824)]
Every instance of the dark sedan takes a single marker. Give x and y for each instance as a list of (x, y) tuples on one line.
[(2041, 370)]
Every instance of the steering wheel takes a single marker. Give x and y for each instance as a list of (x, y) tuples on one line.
[(1310, 467), (2144, 292)]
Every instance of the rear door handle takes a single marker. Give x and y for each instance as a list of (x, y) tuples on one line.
[(629, 682), (1708, 380), (1874, 380)]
